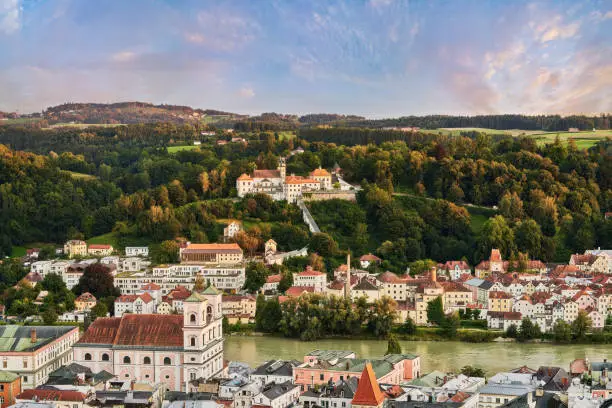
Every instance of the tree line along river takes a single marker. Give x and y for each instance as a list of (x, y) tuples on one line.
[(442, 356)]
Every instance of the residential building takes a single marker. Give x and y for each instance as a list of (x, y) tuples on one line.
[(275, 371), (229, 253), (322, 366), (132, 264), (137, 251), (272, 282), (366, 289), (494, 395), (590, 262), (366, 260), (32, 352), (455, 269), (84, 302), (393, 286), (136, 304), (503, 320), (338, 395), (57, 398), (171, 349), (100, 249), (239, 309), (227, 277), (277, 395), (500, 302), (312, 278), (456, 295), (231, 230), (75, 247), (10, 387)]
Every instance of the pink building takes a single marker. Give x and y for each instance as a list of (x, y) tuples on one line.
[(321, 366), (173, 349)]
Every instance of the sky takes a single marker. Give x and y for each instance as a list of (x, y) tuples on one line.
[(377, 58)]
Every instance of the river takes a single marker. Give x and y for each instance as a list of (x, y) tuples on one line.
[(441, 356)]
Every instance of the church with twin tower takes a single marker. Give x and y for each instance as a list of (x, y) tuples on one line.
[(177, 350)]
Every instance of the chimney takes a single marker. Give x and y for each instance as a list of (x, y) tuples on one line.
[(433, 274), (33, 337)]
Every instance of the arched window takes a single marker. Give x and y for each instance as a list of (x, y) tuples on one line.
[(209, 312), (126, 360), (192, 318), (87, 357), (105, 357), (193, 341), (167, 361), (146, 360)]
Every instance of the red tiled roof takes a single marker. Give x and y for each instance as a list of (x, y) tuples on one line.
[(52, 395), (126, 299), (298, 290), (244, 176), (499, 295), (454, 287), (336, 285), (146, 297), (86, 297), (460, 396), (102, 331), (310, 272), (495, 256), (320, 173), (368, 391), (100, 246), (452, 264), (227, 248), (266, 174), (274, 278), (151, 286), (150, 330), (369, 257)]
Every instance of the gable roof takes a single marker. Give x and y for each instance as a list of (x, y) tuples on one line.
[(368, 391), (136, 330)]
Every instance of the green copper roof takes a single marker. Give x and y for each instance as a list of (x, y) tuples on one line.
[(7, 377), (195, 297), (211, 290)]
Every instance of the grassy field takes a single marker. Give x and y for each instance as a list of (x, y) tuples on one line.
[(82, 176), (84, 125), (174, 149), (18, 251), (19, 121), (583, 140), (109, 238)]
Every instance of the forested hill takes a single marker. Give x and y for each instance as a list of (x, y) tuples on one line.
[(500, 122), (132, 112)]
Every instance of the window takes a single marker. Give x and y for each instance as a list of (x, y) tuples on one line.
[(126, 360), (167, 361), (167, 377), (146, 360), (321, 377), (4, 363), (193, 341), (192, 376), (87, 357), (192, 318), (105, 357), (25, 378), (147, 376), (25, 363)]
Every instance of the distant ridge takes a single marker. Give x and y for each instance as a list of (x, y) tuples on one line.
[(133, 112)]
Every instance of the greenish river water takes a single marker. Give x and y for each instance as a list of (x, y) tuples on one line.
[(442, 356)]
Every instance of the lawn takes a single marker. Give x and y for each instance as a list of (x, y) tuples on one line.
[(18, 251), (174, 149), (108, 238)]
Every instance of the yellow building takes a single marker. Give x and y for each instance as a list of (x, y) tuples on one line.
[(75, 247), (84, 302), (239, 309), (500, 302)]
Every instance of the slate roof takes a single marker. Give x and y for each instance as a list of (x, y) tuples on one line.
[(52, 395), (18, 338), (274, 391), (547, 400), (277, 367)]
